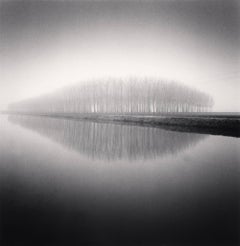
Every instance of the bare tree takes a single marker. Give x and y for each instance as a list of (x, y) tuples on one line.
[(148, 95)]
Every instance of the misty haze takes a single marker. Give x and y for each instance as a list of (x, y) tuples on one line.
[(119, 122)]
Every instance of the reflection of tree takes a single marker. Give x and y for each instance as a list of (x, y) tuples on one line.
[(109, 141)]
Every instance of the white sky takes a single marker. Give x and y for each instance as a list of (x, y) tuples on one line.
[(42, 53)]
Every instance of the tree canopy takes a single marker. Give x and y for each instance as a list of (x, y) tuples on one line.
[(132, 95)]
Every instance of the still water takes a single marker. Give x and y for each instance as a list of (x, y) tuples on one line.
[(66, 182)]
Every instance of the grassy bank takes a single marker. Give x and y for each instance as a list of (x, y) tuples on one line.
[(227, 124)]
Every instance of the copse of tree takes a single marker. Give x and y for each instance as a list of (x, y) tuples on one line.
[(131, 95)]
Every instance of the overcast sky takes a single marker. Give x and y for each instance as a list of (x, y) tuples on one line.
[(45, 45)]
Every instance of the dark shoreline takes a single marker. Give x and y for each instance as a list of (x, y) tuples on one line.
[(226, 124)]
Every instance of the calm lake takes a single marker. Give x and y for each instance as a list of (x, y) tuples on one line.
[(67, 182)]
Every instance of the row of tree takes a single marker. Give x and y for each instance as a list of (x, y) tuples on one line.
[(120, 96)]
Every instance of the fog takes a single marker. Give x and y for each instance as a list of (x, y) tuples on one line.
[(46, 45), (131, 95)]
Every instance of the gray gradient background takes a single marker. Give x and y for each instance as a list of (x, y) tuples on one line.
[(45, 45)]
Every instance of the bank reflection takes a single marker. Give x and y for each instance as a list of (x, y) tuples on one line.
[(110, 141)]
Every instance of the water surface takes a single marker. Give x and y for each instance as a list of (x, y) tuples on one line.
[(84, 183)]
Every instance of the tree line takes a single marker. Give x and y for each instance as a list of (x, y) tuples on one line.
[(132, 95)]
